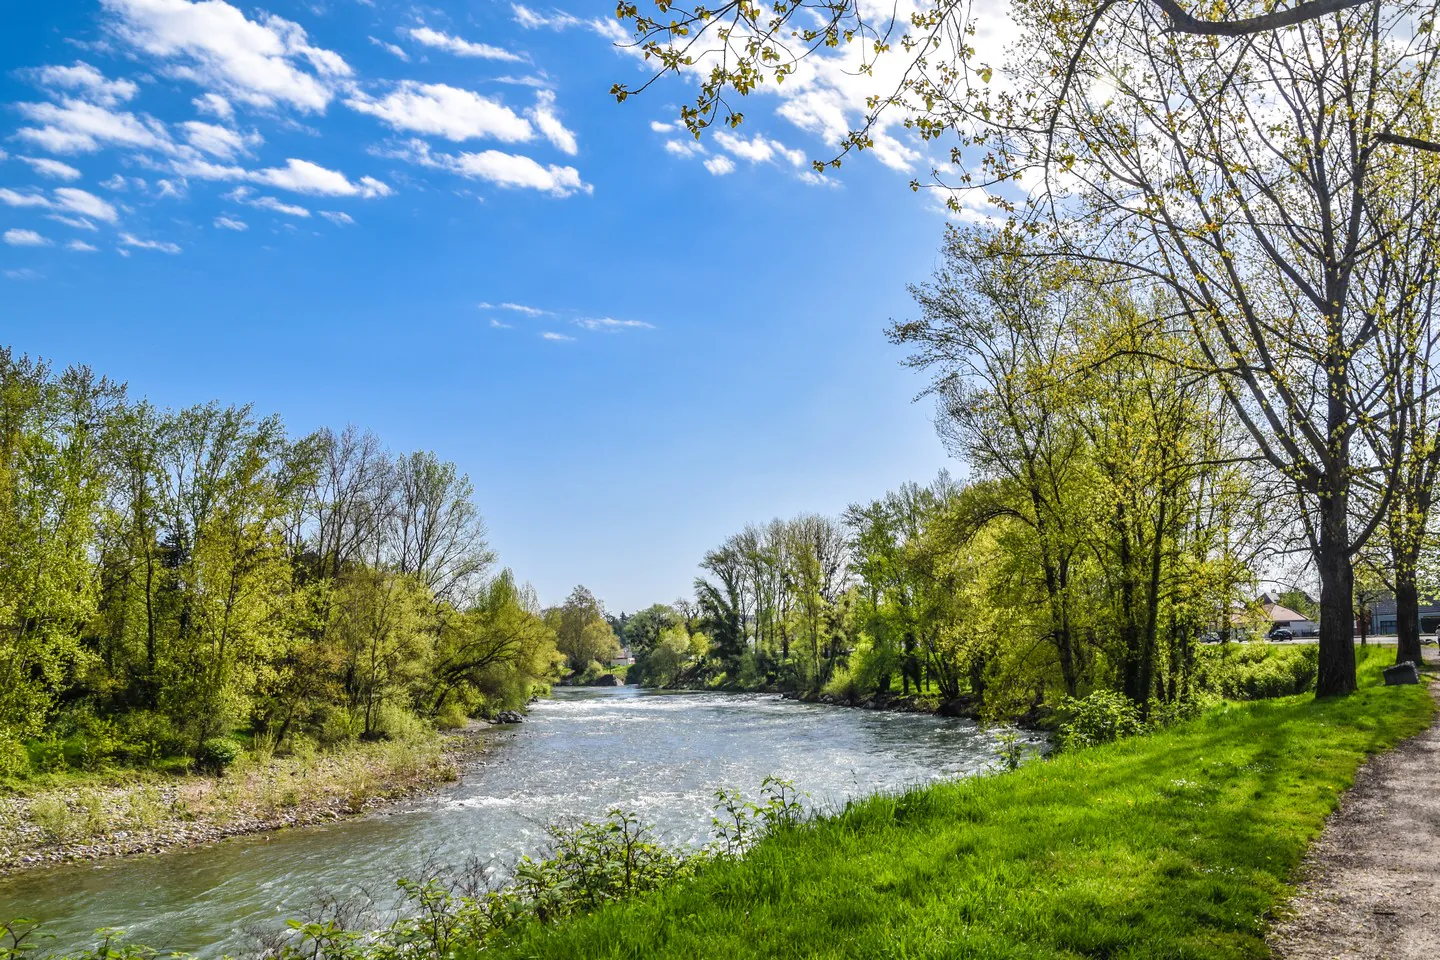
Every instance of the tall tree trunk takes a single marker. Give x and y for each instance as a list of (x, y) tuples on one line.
[(1337, 589), (1407, 612)]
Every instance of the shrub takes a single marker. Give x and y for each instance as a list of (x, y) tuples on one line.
[(593, 671), (842, 684), (1099, 717), (452, 716), (217, 755), (1257, 672), (394, 722)]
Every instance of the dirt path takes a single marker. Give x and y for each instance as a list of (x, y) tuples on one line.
[(1372, 887)]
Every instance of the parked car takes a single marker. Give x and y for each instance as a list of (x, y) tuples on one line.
[(1279, 633)]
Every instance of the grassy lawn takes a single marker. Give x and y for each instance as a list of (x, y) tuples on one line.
[(1175, 845)]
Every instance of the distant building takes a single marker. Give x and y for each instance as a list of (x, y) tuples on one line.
[(1282, 616), (1382, 615), (623, 659)]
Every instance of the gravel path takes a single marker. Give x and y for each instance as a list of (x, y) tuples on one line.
[(1372, 880)]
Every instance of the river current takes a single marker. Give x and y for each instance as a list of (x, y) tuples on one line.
[(581, 753)]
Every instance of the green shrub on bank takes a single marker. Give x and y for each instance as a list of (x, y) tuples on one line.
[(1256, 671), (1099, 717), (217, 755)]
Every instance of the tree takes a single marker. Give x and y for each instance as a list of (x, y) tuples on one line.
[(993, 333), (53, 481), (582, 633), (643, 630), (439, 534)]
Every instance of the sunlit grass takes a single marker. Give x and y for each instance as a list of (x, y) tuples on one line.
[(1174, 845)]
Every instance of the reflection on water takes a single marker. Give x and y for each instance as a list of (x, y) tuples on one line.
[(662, 755)]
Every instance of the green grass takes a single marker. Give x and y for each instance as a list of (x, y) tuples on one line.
[(1174, 845)]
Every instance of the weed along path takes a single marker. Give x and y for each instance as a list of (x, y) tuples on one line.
[(1371, 884)]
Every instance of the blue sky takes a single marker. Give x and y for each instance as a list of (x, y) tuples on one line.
[(334, 208)]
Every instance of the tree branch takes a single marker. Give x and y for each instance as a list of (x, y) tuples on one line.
[(1414, 142), (1182, 22)]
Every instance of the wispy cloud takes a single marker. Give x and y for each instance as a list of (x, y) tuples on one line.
[(555, 337), (54, 169), (162, 246), (611, 325), (25, 238), (515, 308), (461, 47)]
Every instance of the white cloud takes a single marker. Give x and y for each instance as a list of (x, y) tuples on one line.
[(299, 176), (119, 182), (338, 218), (51, 168), (500, 325), (720, 166), (79, 223), (543, 113), (80, 246), (87, 82), (75, 126), (25, 273), (555, 337), (12, 198), (229, 223), (261, 62), (758, 149), (302, 176), (218, 141), (247, 196), (611, 325), (817, 179), (659, 127), (684, 148), (445, 111), (84, 203), (70, 199), (514, 307), (214, 105), (130, 240), (390, 48), (512, 170), (25, 238), (532, 19), (503, 169), (460, 47)]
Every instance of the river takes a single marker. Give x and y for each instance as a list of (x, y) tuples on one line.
[(581, 753)]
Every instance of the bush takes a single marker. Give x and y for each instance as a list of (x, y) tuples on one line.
[(1098, 718), (452, 716), (842, 684), (1257, 672), (217, 755)]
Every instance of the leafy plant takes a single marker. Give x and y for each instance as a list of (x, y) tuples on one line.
[(217, 755), (1099, 717)]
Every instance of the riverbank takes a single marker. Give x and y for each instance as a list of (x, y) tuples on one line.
[(152, 814), (1180, 843)]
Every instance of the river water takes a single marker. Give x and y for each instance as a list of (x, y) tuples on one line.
[(662, 755)]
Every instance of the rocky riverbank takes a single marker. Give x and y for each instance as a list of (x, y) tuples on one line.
[(99, 822)]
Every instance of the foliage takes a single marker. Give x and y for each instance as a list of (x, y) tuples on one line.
[(1257, 671), (582, 633), (168, 577), (216, 755), (1098, 717)]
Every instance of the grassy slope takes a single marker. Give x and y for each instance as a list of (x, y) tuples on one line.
[(1175, 845)]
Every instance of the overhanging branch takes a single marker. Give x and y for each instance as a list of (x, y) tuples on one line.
[(1182, 22)]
